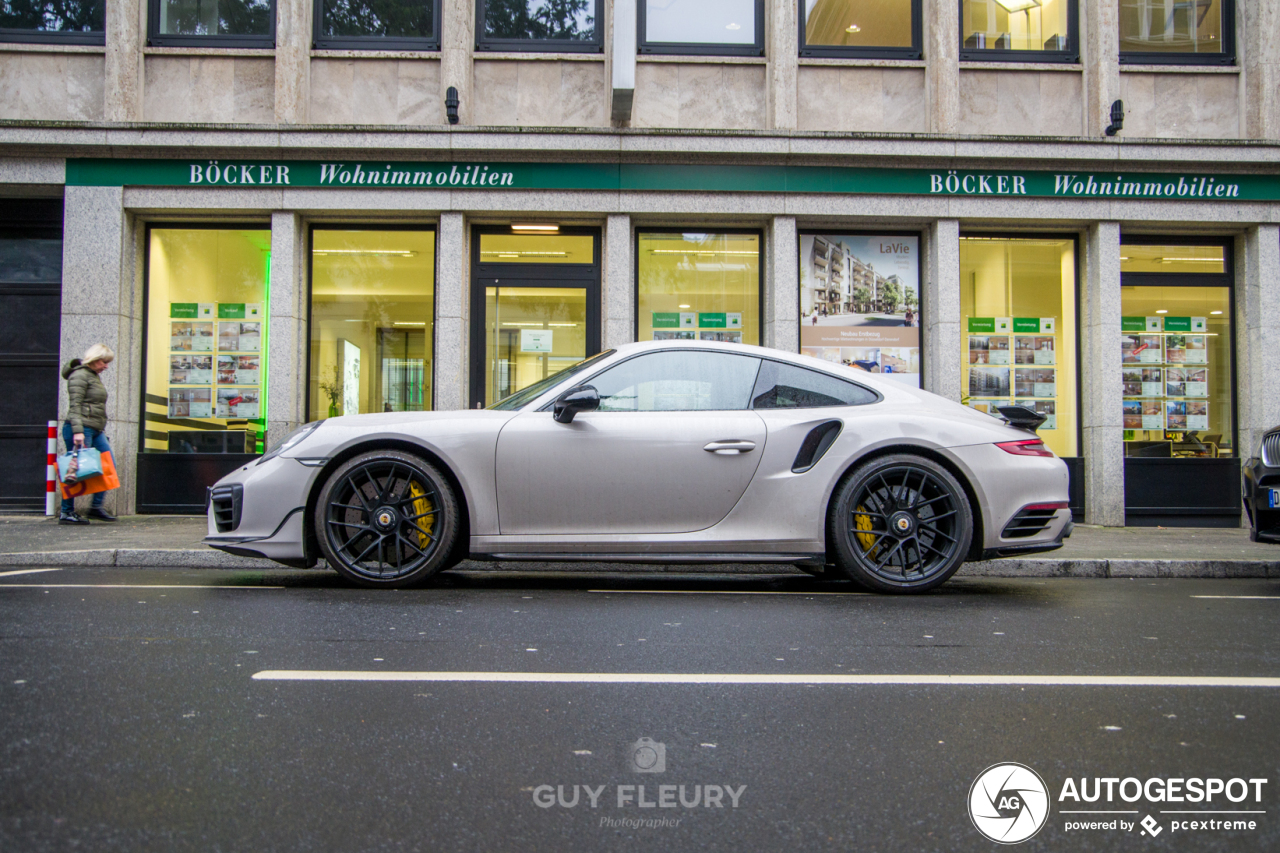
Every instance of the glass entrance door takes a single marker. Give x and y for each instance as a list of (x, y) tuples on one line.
[(535, 307)]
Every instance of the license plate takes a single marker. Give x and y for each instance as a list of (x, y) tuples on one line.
[(1273, 498)]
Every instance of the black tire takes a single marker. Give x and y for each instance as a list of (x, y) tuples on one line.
[(370, 519), (900, 523)]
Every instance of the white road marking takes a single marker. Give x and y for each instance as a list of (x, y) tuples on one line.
[(1236, 596), (129, 586), (1210, 811), (715, 592), (27, 572), (1093, 811), (766, 678)]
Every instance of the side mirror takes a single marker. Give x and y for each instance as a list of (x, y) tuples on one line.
[(583, 398)]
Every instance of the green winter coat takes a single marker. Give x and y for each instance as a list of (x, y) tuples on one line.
[(88, 397)]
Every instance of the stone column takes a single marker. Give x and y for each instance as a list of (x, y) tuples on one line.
[(287, 336), (293, 61), (1101, 55), (618, 289), (126, 27), (942, 57), (1101, 415), (781, 51), (453, 313), (780, 326), (940, 309), (457, 36), (1258, 21), (102, 303), (1257, 331)]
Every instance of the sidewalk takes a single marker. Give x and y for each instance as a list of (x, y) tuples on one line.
[(153, 541)]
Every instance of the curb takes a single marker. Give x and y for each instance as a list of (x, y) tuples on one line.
[(208, 558)]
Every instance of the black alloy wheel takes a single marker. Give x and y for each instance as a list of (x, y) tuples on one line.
[(900, 523), (386, 519)]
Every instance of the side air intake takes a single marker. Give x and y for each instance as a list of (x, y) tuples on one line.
[(814, 445)]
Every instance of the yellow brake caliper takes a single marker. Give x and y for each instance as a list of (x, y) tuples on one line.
[(422, 505), (861, 522)]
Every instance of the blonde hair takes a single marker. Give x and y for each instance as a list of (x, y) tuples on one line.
[(98, 352)]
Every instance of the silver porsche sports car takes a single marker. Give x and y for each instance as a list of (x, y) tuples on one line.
[(677, 451)]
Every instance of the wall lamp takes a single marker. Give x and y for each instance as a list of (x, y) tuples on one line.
[(451, 104), (1117, 118)]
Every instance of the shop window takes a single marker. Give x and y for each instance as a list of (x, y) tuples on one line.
[(208, 292), (226, 23), (1018, 325), (540, 25), (870, 28), (698, 286), (372, 321), (1019, 30), (377, 24), (860, 302), (68, 22), (1187, 32), (1175, 352), (702, 27)]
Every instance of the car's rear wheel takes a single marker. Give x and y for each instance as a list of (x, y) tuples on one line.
[(386, 519), (900, 523)]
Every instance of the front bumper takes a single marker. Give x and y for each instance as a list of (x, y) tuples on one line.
[(260, 511), (1264, 520)]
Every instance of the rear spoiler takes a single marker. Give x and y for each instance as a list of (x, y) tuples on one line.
[(1020, 417)]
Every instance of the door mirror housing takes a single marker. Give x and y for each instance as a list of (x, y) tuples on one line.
[(582, 398)]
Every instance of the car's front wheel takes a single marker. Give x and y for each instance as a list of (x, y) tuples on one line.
[(900, 523), (386, 519)]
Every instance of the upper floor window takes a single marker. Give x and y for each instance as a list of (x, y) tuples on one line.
[(61, 21), (377, 24), (1186, 32), (702, 27), (226, 23), (872, 28), (1019, 30), (570, 26)]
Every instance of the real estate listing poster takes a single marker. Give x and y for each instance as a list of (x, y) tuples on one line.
[(989, 381), (1197, 414), (1132, 414), (190, 402), (1048, 408), (190, 337), (238, 403), (190, 370), (861, 292), (1197, 350), (989, 407), (1152, 414), (1035, 382), (1175, 349), (1141, 349), (661, 335), (1175, 415), (235, 336)]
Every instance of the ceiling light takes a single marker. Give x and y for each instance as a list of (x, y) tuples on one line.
[(508, 254), (853, 28), (1018, 5), (1162, 310), (406, 253), (682, 306), (398, 323), (733, 27), (534, 226), (1215, 312)]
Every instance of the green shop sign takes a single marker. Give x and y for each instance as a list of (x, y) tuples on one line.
[(1133, 324), (713, 320), (183, 310), (982, 325), (1177, 324), (666, 319), (370, 174)]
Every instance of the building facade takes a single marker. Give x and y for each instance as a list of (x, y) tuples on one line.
[(282, 210)]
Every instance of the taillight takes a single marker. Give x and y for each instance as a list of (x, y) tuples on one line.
[(1027, 447)]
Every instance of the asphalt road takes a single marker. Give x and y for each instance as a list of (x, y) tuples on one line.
[(130, 717)]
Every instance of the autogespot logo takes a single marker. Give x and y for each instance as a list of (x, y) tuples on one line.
[(1008, 803)]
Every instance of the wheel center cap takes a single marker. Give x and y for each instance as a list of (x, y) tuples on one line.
[(385, 517), (902, 524)]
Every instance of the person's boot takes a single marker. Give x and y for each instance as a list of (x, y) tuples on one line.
[(100, 514), (71, 518)]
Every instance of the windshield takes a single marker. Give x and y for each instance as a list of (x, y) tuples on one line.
[(536, 390)]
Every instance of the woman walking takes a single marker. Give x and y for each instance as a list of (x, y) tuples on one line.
[(86, 421)]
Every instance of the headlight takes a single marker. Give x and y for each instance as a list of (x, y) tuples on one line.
[(291, 440)]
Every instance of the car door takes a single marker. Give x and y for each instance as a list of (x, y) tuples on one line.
[(670, 450)]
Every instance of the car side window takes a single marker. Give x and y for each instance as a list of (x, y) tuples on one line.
[(678, 381), (785, 386)]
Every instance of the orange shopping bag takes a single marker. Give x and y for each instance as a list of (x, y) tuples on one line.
[(108, 480)]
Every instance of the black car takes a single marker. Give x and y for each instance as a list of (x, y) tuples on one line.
[(1262, 490)]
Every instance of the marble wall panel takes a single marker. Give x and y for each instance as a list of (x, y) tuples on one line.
[(540, 93), (51, 86), (1181, 106), (700, 96), (376, 91), (217, 89), (1021, 103), (863, 99)]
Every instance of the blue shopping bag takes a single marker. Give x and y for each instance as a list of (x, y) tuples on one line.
[(88, 464)]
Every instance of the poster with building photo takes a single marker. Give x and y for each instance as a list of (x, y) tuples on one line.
[(989, 381), (861, 292), (1152, 414), (1141, 349), (185, 336), (1175, 415), (1035, 382), (237, 403), (988, 349), (1048, 408), (1132, 414), (988, 407), (190, 402), (191, 370), (235, 336), (1197, 349), (1197, 414), (724, 337), (1175, 349), (679, 335)]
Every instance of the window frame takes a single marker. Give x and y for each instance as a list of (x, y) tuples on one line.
[(486, 44), (1070, 56), (916, 51), (1226, 58), (13, 35), (158, 39), (644, 47), (322, 42)]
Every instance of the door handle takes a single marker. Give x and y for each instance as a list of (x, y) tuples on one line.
[(731, 445)]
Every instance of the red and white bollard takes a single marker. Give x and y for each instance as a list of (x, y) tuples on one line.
[(51, 471)]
